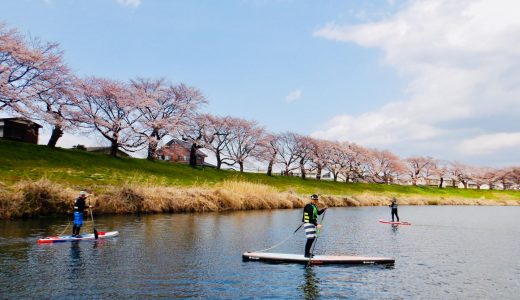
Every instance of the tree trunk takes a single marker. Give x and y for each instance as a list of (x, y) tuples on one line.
[(219, 160), (152, 145), (241, 164), (56, 134), (193, 155), (335, 176), (442, 181), (318, 173), (270, 168), (113, 149), (302, 169)]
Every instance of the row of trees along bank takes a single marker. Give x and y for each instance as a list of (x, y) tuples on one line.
[(36, 83)]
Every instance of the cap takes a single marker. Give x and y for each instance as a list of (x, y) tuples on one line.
[(83, 193), (314, 197)]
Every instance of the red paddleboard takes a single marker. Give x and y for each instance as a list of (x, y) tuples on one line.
[(394, 223), (83, 237)]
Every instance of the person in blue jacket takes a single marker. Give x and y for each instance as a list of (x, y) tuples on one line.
[(310, 222), (79, 211)]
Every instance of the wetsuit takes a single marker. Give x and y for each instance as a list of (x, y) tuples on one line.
[(310, 220), (79, 210), (393, 205)]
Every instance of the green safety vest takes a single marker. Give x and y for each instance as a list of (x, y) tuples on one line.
[(306, 218)]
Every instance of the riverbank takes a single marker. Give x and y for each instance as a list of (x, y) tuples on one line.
[(44, 197), (36, 180)]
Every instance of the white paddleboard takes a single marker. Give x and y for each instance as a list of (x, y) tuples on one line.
[(316, 260)]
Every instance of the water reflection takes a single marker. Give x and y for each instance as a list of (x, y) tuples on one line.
[(199, 256), (310, 286), (77, 262)]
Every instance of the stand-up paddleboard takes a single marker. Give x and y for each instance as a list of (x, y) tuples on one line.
[(394, 223), (82, 237), (316, 260)]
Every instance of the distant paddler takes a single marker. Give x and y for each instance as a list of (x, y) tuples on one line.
[(79, 211), (310, 222), (393, 206)]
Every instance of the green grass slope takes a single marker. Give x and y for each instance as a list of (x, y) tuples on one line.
[(20, 161)]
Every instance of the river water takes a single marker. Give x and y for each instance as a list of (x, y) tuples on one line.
[(448, 253)]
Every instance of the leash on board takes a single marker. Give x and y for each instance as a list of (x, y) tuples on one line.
[(285, 240), (316, 241)]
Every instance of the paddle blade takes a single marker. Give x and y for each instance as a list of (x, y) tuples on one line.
[(96, 235)]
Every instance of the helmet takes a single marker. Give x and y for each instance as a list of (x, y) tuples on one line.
[(314, 197), (82, 193)]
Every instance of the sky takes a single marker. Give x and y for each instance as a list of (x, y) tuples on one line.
[(436, 78)]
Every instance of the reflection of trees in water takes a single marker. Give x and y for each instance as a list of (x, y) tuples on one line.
[(309, 287)]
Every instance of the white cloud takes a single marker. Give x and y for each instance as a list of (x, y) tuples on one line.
[(462, 59), (131, 3), (293, 96), (490, 143)]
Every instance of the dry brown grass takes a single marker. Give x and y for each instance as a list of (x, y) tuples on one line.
[(42, 197), (32, 198)]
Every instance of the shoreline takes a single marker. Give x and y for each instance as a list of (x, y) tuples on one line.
[(43, 197)]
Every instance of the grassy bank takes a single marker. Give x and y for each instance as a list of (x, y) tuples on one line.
[(36, 180)]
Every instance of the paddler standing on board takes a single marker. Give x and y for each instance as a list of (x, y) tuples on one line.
[(393, 205), (310, 222), (79, 211)]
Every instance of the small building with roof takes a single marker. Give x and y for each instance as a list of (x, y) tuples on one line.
[(179, 151), (19, 129)]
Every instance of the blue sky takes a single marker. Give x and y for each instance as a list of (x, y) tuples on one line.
[(344, 70)]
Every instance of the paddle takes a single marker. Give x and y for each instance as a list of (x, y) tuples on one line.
[(92, 217), (316, 241)]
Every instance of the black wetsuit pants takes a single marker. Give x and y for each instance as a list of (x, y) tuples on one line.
[(394, 212), (308, 247), (75, 230)]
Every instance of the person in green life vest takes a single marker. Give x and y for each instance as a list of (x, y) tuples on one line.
[(310, 222)]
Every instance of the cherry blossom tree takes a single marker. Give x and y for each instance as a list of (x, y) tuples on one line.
[(483, 175), (305, 147), (460, 172), (27, 68), (288, 152), (56, 106), (384, 166), (358, 162), (246, 138), (417, 166), (193, 132), (216, 135), (164, 108), (337, 161), (319, 156), (269, 151), (109, 108)]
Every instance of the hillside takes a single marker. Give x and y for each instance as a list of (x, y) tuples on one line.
[(75, 170)]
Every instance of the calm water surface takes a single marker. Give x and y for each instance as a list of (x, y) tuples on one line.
[(448, 253)]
